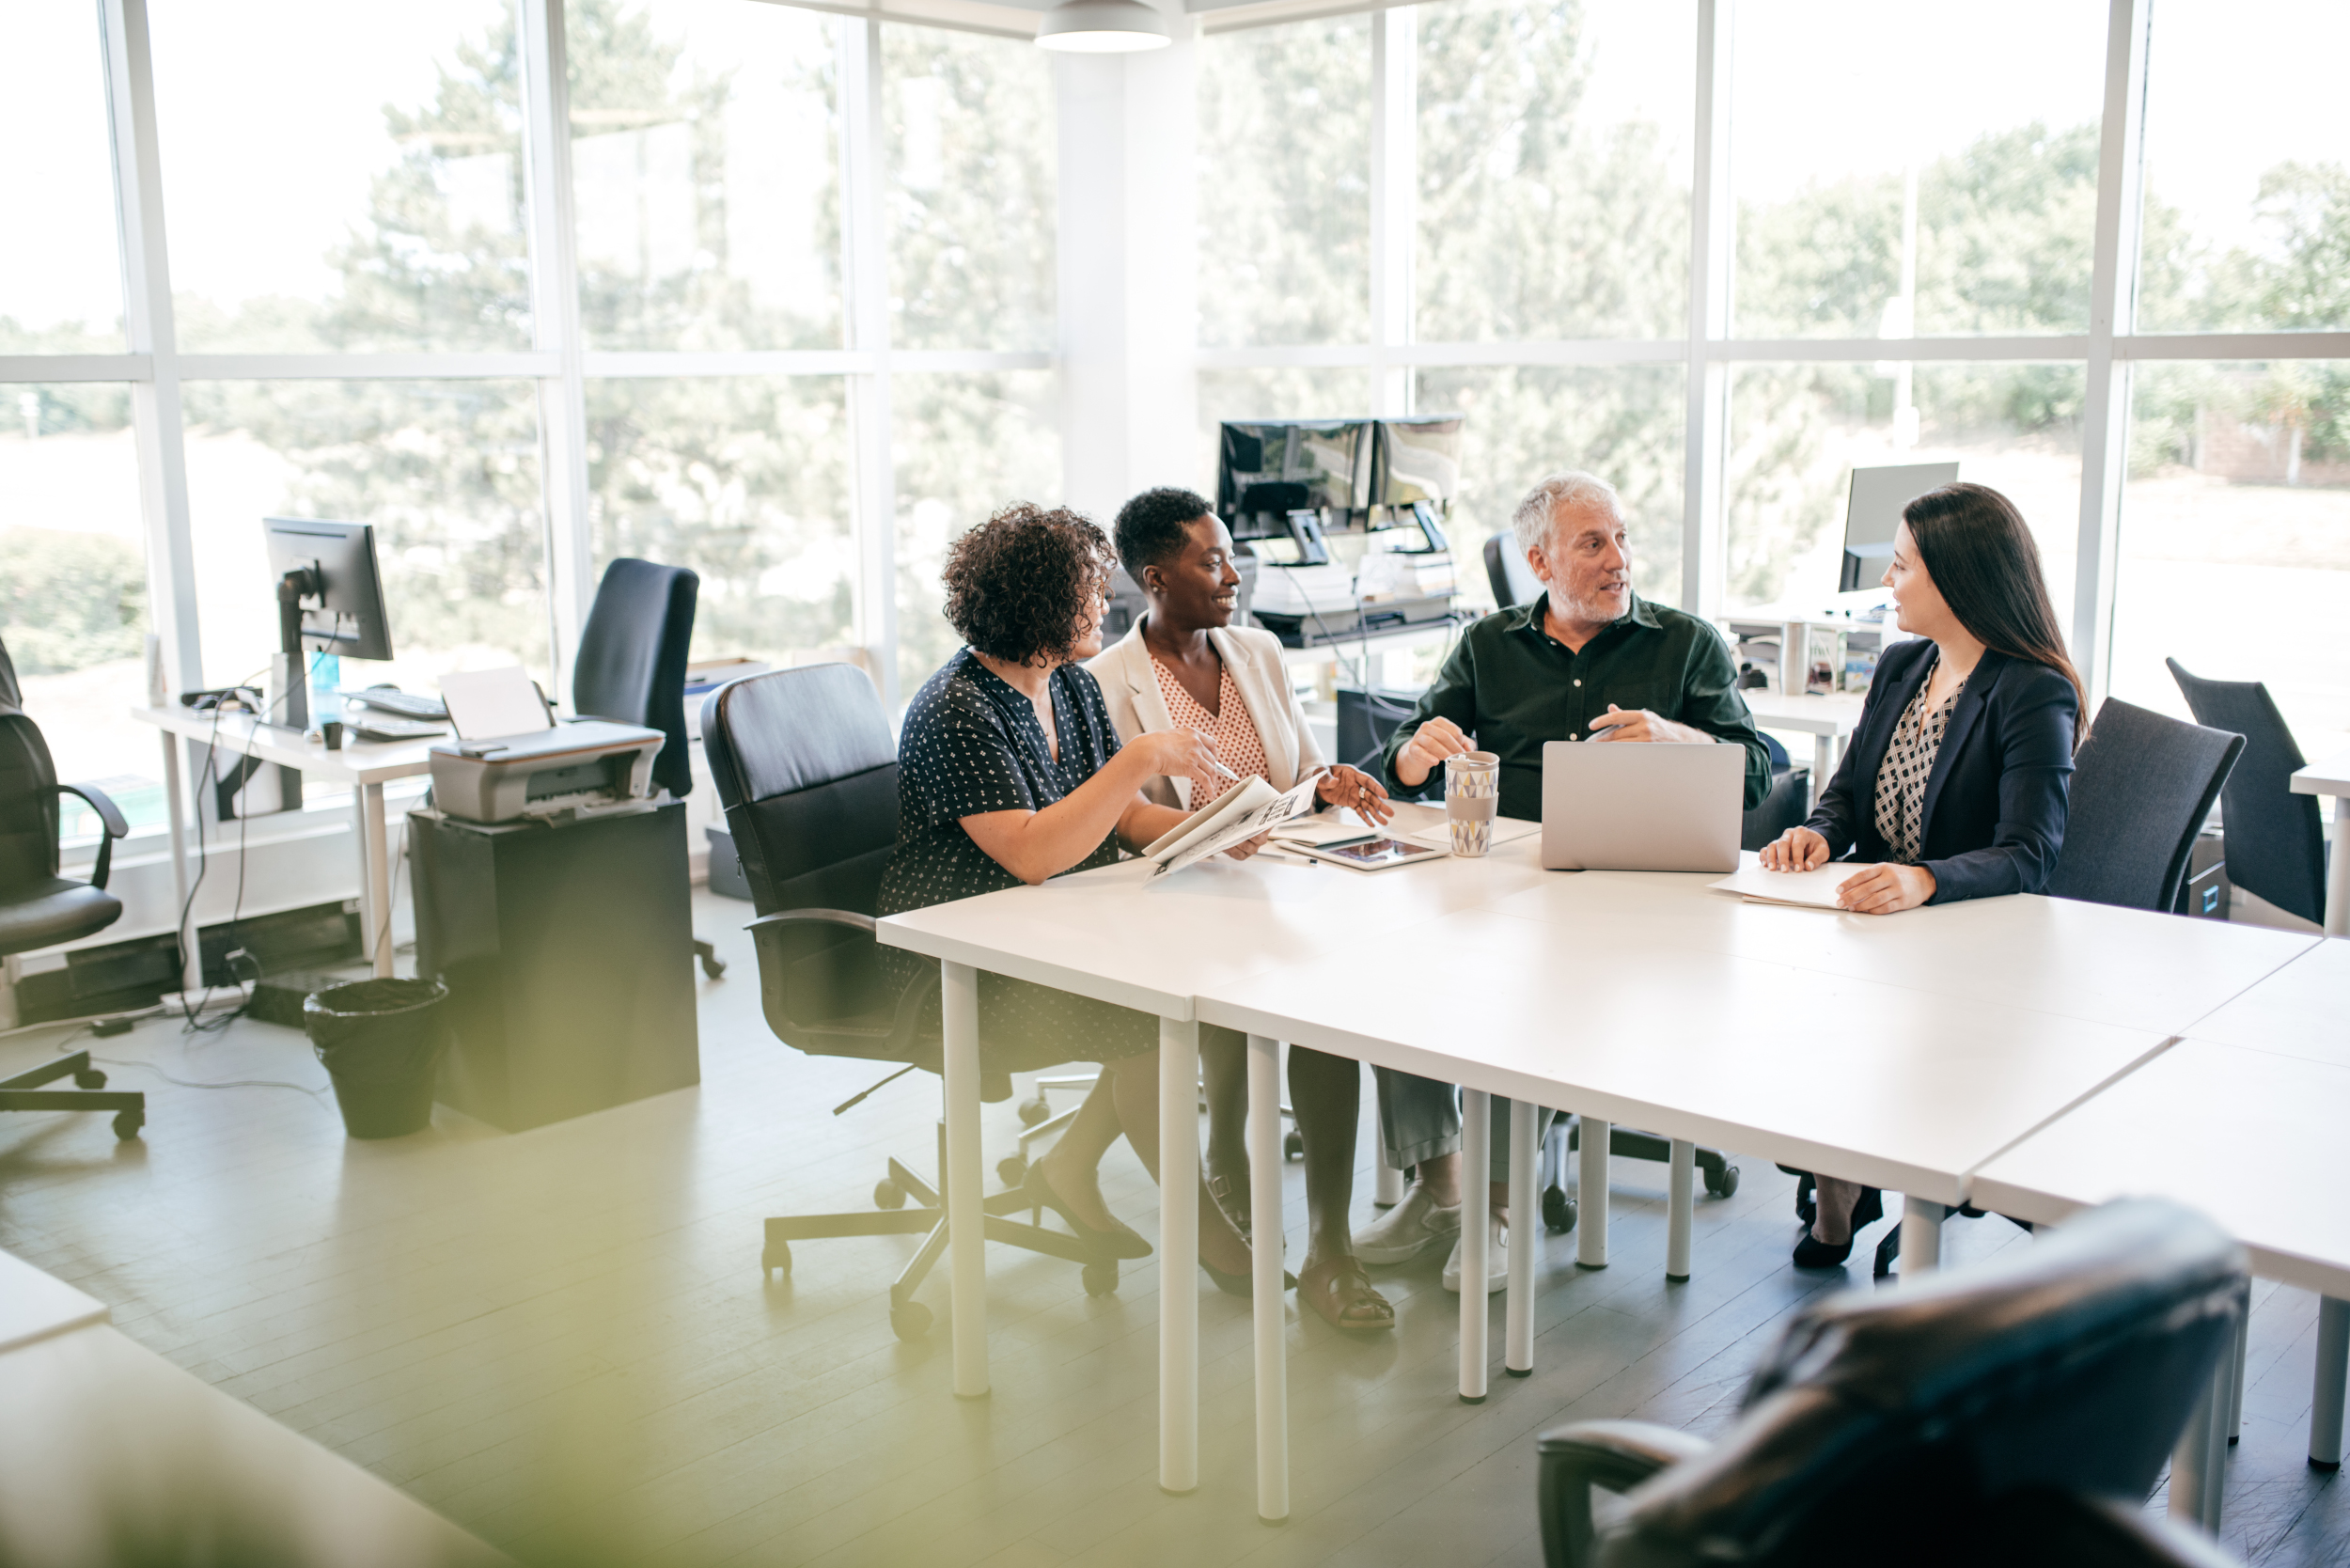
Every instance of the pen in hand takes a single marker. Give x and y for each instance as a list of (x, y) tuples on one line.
[(1213, 761)]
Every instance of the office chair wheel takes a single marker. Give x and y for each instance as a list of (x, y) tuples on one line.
[(127, 1125), (775, 1257), (1033, 1110), (1726, 1185), (888, 1195), (909, 1322), (713, 965), (1100, 1278), (1293, 1146), (1558, 1211), (93, 1078), (1013, 1168)]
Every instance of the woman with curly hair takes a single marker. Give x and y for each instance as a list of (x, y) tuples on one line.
[(1010, 772)]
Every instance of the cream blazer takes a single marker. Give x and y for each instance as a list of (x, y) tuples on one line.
[(1131, 689)]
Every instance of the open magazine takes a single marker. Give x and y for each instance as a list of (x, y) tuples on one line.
[(1249, 808)]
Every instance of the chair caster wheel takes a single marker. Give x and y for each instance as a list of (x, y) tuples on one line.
[(714, 967), (775, 1257), (1100, 1278), (1724, 1186), (909, 1322), (888, 1195), (1033, 1110), (1013, 1168), (93, 1078), (1293, 1146), (1558, 1211), (127, 1125)]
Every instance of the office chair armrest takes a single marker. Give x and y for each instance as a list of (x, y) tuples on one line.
[(1617, 1455), (110, 815), (850, 918)]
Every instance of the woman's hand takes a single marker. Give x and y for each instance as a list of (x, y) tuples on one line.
[(1798, 849), (1345, 786), (1179, 754), (1425, 752), (1885, 889)]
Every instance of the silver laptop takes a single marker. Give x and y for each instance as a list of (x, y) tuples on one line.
[(1635, 805)]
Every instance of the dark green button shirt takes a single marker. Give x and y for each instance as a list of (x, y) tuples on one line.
[(1513, 686)]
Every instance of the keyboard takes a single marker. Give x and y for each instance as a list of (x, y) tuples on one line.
[(370, 727), (407, 705)]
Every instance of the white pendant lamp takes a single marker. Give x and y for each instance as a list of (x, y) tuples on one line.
[(1102, 27)]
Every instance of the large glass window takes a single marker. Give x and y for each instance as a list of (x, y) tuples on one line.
[(2248, 168), (969, 191), (1905, 170), (1797, 432), (343, 176), (60, 273), (1285, 184), (745, 479), (706, 175), (448, 471), (2235, 538), (1554, 169)]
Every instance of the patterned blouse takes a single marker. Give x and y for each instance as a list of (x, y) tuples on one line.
[(1230, 727), (1908, 767)]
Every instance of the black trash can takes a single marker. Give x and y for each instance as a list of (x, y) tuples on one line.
[(380, 1042)]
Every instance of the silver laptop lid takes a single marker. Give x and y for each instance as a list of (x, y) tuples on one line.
[(1633, 805)]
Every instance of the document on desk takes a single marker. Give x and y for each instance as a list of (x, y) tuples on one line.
[(1242, 812), (1427, 826), (1814, 889)]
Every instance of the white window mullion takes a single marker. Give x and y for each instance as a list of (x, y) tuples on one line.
[(864, 284), (1705, 490), (1394, 203)]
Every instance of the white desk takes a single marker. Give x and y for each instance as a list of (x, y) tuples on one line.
[(2302, 1010), (34, 1306), (366, 766), (1828, 720), (2332, 778)]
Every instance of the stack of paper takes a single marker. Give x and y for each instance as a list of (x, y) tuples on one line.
[(1803, 890)]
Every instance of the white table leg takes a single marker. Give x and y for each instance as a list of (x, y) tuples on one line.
[(175, 802), (1590, 1215), (967, 1220), (1179, 1250), (1921, 1235), (375, 889), (1680, 1208), (1265, 1202), (1476, 1210), (2326, 1394), (2338, 875), (1823, 764), (1517, 1338)]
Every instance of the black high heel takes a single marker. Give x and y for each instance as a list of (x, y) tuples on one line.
[(1231, 1195), (1119, 1242), (1811, 1252)]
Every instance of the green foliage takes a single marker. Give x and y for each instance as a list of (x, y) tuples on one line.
[(68, 600)]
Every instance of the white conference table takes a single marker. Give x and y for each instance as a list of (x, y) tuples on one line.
[(1829, 719), (2332, 778), (366, 766)]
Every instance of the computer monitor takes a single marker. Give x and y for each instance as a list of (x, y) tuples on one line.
[(330, 592), (1874, 510), (1268, 468)]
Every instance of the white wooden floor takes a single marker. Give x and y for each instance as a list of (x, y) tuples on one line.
[(561, 1339)]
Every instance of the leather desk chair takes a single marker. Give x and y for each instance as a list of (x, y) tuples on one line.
[(2275, 840), (2016, 1412), (807, 772), (39, 909), (631, 670)]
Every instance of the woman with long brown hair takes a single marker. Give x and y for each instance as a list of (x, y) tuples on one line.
[(1957, 779)]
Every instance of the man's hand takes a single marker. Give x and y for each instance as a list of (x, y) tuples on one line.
[(1639, 724), (1798, 849), (1430, 744), (1886, 888), (1344, 786)]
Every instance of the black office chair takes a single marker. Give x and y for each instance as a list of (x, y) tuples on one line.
[(2012, 1412), (2275, 840), (1506, 573), (631, 670), (2142, 786), (806, 769), (1786, 806), (39, 909)]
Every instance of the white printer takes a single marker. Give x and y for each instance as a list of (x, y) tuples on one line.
[(511, 761)]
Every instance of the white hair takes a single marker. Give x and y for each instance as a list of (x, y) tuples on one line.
[(1553, 493)]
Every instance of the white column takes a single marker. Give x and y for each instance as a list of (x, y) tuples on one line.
[(1179, 1253), (1705, 550), (966, 1219), (555, 329), (1476, 1210), (1394, 201), (1518, 1335), (2112, 313), (1264, 1197), (865, 274)]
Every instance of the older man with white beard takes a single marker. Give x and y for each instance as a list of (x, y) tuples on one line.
[(1588, 660)]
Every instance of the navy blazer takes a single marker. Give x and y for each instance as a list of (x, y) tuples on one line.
[(1995, 805)]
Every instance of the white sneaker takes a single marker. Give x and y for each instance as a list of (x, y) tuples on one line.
[(1496, 1259), (1408, 1230)]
